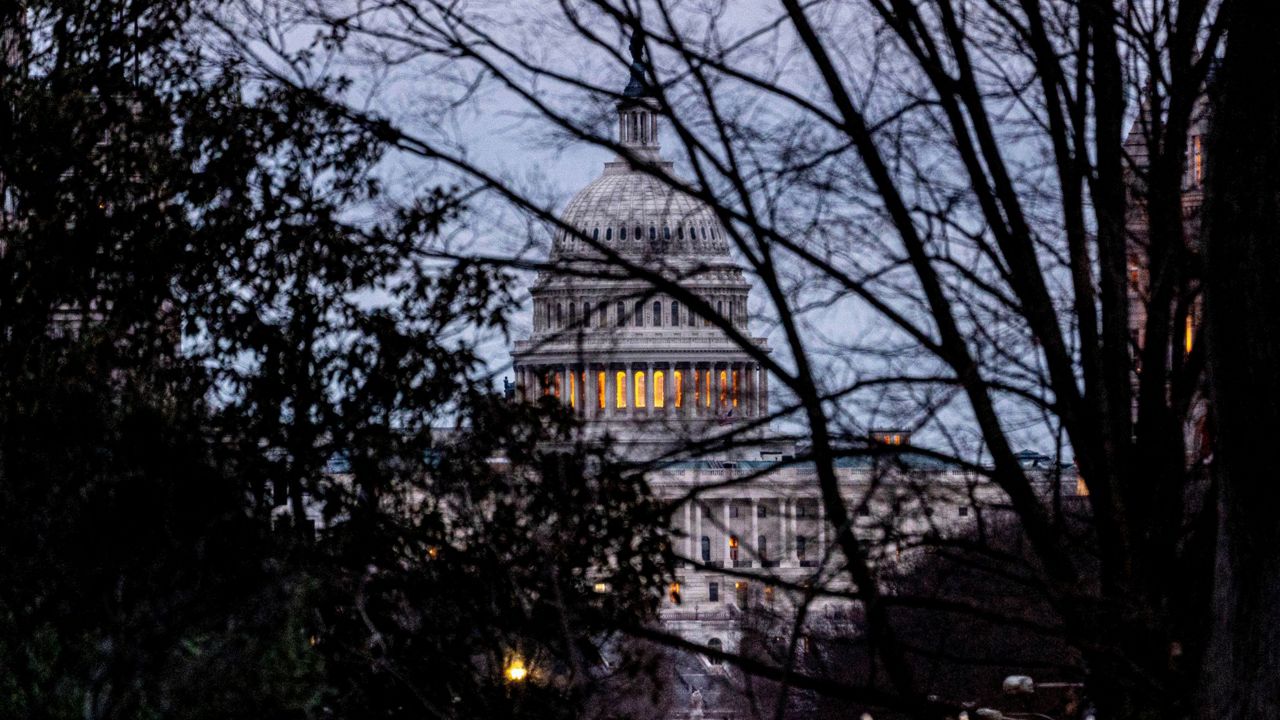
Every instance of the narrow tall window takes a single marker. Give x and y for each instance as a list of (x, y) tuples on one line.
[(715, 644), (573, 390), (639, 317), (678, 379), (622, 233), (802, 546), (735, 388), (586, 314), (724, 388), (706, 549), (675, 313), (600, 388), (762, 547), (706, 388), (620, 383), (733, 548), (608, 233), (659, 389), (693, 320), (559, 315), (555, 379), (713, 592), (657, 313), (622, 314), (639, 389)]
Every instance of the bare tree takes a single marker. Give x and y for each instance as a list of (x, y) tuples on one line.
[(973, 218)]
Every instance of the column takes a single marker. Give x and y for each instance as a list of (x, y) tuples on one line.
[(631, 390), (650, 388), (697, 526), (688, 529), (795, 532), (728, 532), (755, 530), (781, 552), (610, 390), (764, 392)]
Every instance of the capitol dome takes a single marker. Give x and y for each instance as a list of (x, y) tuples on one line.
[(631, 357)]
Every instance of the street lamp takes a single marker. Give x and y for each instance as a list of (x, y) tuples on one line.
[(516, 671)]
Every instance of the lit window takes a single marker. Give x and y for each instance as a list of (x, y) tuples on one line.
[(620, 381), (1189, 334), (659, 389), (678, 379), (1197, 156), (601, 587), (640, 394), (735, 388), (600, 389), (733, 548), (573, 390), (555, 379), (707, 387), (674, 593), (724, 388), (768, 594), (1081, 489)]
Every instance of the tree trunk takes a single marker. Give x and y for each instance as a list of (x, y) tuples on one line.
[(1242, 326)]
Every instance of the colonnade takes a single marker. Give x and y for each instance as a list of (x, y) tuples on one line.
[(799, 539), (712, 388)]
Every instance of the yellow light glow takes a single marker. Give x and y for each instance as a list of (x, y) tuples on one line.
[(674, 592), (1189, 339), (735, 388), (620, 385), (659, 389), (733, 541), (573, 390), (679, 382), (516, 671), (640, 394), (601, 587), (1081, 489), (706, 387), (600, 379), (724, 388)]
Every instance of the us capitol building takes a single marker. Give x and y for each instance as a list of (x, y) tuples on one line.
[(665, 384)]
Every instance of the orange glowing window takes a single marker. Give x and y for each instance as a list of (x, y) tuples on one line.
[(1081, 489), (573, 389), (706, 388), (555, 379), (620, 387), (640, 394), (724, 388), (1190, 334), (674, 592), (735, 388), (659, 388), (600, 389), (678, 379)]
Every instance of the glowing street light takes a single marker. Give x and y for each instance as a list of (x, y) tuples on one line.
[(516, 671)]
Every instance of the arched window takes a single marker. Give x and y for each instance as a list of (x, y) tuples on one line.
[(675, 313), (622, 233), (715, 644), (608, 233), (573, 315), (657, 313), (639, 232), (653, 232), (620, 386), (622, 314), (666, 232), (639, 317), (586, 314), (677, 379), (679, 232), (659, 389), (704, 232), (559, 315), (720, 308), (595, 234), (640, 393), (706, 549)]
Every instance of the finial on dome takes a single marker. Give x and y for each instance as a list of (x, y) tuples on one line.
[(638, 86)]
